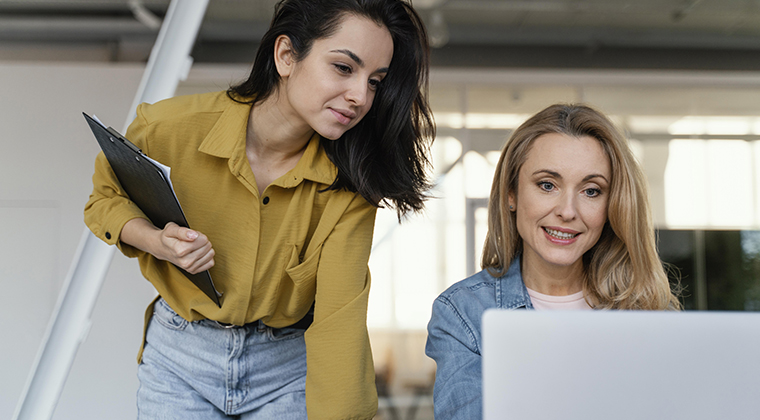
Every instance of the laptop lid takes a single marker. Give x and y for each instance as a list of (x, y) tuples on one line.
[(621, 365)]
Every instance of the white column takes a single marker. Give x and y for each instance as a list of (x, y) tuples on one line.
[(169, 63)]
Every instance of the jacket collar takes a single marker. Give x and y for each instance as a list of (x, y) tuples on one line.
[(226, 139), (511, 292)]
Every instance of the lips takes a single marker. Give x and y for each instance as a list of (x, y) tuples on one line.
[(561, 234), (343, 116)]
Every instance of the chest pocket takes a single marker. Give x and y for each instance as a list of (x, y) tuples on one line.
[(303, 274)]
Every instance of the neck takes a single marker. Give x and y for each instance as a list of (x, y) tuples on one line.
[(550, 279), (274, 130)]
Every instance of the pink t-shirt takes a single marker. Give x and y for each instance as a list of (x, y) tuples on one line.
[(548, 302)]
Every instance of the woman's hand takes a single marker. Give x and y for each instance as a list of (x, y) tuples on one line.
[(183, 247)]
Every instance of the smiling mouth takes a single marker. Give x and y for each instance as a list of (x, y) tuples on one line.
[(560, 235)]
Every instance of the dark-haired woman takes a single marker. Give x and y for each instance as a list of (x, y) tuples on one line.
[(280, 178)]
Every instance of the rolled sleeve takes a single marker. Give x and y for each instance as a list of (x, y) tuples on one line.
[(453, 344), (109, 208), (340, 376)]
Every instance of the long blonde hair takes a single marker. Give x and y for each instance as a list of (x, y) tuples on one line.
[(623, 269)]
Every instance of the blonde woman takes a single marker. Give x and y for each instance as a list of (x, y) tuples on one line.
[(569, 228)]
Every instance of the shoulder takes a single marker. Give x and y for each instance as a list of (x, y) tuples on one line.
[(481, 291), (185, 107), (349, 213), (480, 287), (465, 301), (457, 312)]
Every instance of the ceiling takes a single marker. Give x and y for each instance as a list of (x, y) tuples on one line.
[(603, 34)]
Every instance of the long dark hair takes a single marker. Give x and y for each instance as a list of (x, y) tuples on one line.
[(384, 157)]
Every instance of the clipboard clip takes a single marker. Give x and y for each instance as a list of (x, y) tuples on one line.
[(129, 144)]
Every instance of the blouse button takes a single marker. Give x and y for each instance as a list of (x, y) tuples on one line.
[(108, 235), (266, 200)]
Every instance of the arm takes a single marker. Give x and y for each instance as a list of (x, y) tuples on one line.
[(116, 220), (340, 376), (183, 247), (453, 344)]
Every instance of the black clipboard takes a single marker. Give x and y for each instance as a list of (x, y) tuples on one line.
[(146, 186)]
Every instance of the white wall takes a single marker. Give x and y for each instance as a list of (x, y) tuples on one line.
[(46, 163)]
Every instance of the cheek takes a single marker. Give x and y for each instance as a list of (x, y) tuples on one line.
[(310, 82), (597, 216), (528, 214), (532, 205)]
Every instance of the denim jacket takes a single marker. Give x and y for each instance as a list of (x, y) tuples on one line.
[(454, 340)]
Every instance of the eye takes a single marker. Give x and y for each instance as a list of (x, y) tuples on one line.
[(374, 84), (546, 186), (592, 192), (342, 68)]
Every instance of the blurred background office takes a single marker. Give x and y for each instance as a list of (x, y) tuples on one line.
[(681, 77)]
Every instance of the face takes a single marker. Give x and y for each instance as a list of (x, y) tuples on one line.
[(332, 88), (561, 201)]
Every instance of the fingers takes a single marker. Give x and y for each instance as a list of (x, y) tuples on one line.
[(173, 230), (179, 242), (199, 260), (187, 248)]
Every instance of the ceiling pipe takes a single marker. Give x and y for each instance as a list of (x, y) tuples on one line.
[(143, 15)]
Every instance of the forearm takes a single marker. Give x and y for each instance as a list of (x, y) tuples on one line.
[(340, 381), (141, 234), (183, 247)]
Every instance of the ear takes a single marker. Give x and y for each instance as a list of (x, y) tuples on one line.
[(284, 58), (512, 202)]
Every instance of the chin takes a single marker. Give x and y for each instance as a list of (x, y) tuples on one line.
[(563, 260), (331, 134)]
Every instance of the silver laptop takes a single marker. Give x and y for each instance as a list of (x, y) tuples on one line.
[(588, 365)]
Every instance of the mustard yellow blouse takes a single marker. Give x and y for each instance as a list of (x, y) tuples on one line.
[(277, 252)]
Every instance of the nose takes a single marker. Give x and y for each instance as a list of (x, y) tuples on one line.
[(567, 206), (357, 92)]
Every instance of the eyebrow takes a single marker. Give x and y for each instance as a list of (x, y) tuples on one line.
[(358, 60), (558, 176)]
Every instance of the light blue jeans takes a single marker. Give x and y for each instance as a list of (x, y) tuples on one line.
[(201, 370)]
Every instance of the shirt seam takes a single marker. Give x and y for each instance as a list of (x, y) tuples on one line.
[(463, 321)]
